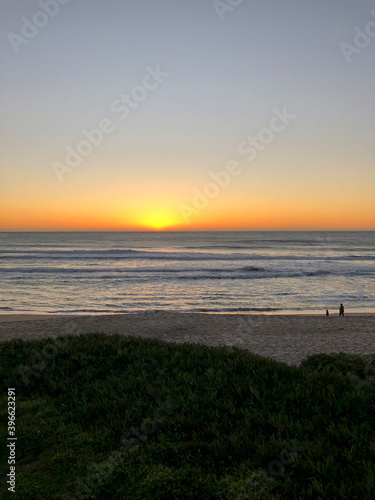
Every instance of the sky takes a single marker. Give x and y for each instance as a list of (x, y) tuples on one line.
[(199, 115)]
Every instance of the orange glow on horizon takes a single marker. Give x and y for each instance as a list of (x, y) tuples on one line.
[(232, 213)]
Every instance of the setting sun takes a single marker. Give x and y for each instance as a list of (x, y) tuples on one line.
[(159, 221)]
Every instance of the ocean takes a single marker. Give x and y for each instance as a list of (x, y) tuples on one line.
[(224, 272)]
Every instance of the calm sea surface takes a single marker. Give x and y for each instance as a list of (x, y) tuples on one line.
[(190, 271)]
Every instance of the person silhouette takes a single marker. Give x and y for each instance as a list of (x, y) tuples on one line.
[(341, 310), (327, 312)]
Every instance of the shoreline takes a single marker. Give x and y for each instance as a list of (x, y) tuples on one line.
[(6, 317), (285, 338)]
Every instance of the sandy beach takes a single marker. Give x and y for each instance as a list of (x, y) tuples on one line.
[(286, 338)]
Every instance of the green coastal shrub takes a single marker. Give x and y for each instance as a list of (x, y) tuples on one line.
[(114, 417)]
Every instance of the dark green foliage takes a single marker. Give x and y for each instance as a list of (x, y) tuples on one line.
[(119, 417), (361, 366)]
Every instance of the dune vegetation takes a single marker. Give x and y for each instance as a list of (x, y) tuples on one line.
[(115, 417)]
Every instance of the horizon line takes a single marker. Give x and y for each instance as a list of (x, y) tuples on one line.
[(183, 230)]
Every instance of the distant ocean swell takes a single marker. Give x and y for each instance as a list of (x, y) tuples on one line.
[(181, 274), (170, 256)]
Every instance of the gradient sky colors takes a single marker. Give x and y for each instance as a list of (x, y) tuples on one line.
[(225, 77)]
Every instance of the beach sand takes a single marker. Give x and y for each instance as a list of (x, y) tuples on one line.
[(287, 338)]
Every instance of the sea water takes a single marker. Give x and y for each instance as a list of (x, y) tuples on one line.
[(127, 272)]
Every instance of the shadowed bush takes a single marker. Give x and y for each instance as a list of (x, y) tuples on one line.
[(113, 417)]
